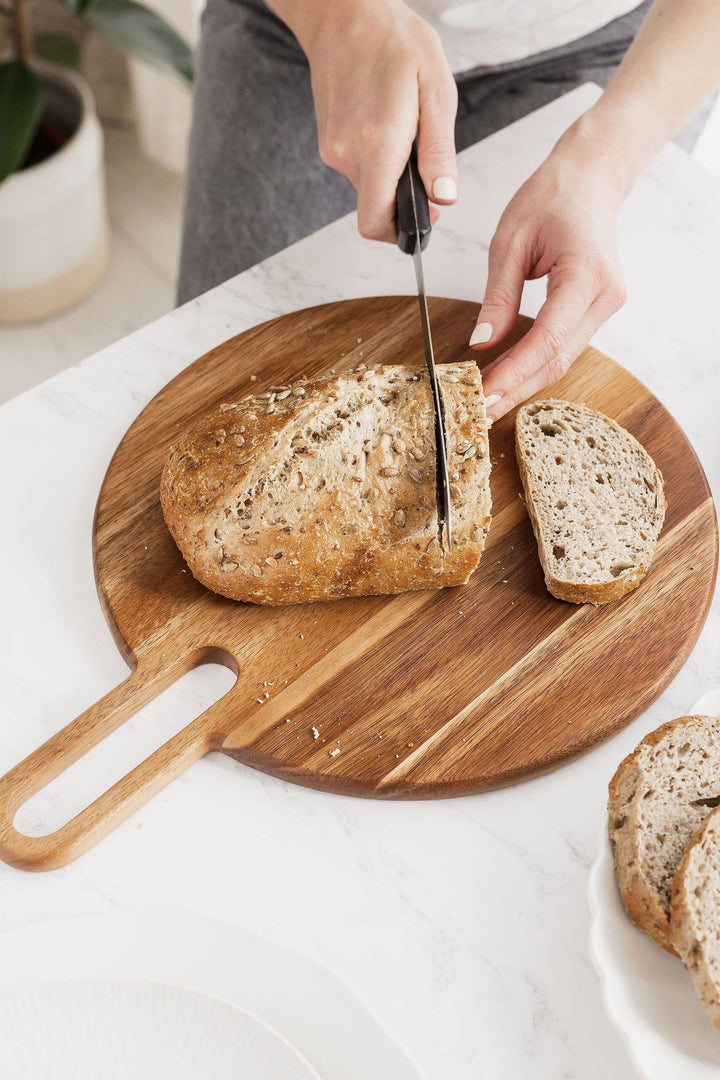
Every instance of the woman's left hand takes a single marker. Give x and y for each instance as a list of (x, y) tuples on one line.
[(563, 223)]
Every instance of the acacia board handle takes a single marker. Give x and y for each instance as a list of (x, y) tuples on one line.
[(148, 678)]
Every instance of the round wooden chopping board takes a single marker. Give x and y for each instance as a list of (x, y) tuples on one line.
[(424, 694), (421, 695)]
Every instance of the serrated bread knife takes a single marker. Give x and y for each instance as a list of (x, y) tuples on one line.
[(413, 229)]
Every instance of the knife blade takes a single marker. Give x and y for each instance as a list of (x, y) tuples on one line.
[(413, 229)]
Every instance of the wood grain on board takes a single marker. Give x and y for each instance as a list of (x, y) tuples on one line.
[(424, 694)]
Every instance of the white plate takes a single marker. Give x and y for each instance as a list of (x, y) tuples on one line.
[(648, 994), (110, 1029), (319, 1015), (708, 704)]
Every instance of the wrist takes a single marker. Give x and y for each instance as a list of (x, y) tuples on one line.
[(616, 141), (595, 149), (311, 19), (306, 17)]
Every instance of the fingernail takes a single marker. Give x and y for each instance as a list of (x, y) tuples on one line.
[(481, 333), (445, 188), (489, 422), (492, 399)]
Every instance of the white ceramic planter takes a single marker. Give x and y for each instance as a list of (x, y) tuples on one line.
[(163, 104), (53, 221), (163, 110)]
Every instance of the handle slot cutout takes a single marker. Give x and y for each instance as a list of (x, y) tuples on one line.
[(123, 749)]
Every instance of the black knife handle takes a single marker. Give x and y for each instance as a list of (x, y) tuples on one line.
[(408, 184)]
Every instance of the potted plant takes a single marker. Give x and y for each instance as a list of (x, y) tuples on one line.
[(53, 223), (162, 104)]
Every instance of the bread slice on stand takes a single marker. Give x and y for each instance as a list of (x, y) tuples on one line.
[(658, 798), (695, 911)]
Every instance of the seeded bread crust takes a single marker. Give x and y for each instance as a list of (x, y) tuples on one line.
[(655, 806), (695, 913), (326, 488), (596, 501)]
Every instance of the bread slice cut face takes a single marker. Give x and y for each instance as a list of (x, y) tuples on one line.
[(595, 498), (326, 488)]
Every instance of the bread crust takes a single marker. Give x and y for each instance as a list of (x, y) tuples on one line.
[(379, 535), (640, 900), (691, 941), (572, 591), (625, 793)]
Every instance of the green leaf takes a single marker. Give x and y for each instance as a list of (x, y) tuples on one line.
[(76, 6), (138, 31), (21, 105), (60, 48)]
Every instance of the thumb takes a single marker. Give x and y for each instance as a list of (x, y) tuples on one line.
[(436, 140), (499, 309)]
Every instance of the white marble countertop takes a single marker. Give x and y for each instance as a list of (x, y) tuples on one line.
[(464, 923)]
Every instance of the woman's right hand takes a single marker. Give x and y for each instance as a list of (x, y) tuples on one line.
[(379, 77)]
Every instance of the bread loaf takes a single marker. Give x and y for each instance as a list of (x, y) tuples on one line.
[(326, 488), (595, 499), (660, 795), (695, 910)]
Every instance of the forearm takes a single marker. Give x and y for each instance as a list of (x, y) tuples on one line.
[(670, 69)]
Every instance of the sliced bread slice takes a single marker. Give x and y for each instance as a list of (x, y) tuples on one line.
[(659, 796), (594, 496), (695, 913)]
